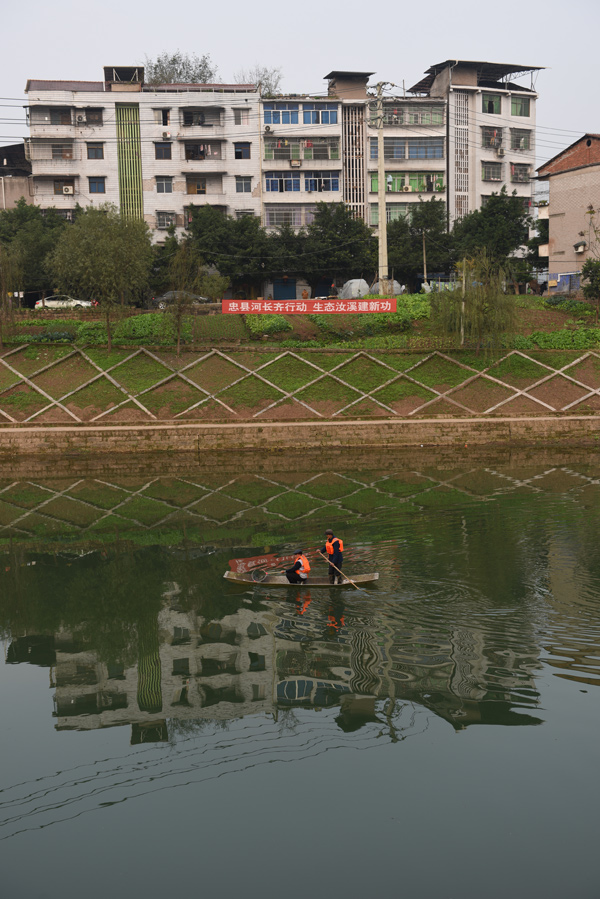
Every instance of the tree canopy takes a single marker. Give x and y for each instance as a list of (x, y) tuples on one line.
[(501, 227), (338, 245), (405, 243), (103, 256), (179, 68), (28, 234), (481, 311), (269, 79)]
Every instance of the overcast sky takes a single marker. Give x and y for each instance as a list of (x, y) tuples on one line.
[(71, 40)]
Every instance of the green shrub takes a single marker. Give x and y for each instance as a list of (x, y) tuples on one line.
[(151, 328), (261, 325), (563, 304)]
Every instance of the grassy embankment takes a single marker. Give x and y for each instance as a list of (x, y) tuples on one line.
[(549, 335)]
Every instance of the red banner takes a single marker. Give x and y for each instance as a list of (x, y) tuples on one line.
[(306, 307)]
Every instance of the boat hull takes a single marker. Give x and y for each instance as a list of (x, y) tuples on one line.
[(280, 580)]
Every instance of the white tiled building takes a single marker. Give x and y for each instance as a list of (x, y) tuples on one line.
[(153, 151), (463, 132), (490, 130)]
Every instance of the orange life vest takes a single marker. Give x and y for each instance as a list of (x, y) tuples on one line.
[(304, 566), (329, 545)]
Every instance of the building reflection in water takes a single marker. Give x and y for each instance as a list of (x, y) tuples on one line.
[(296, 651)]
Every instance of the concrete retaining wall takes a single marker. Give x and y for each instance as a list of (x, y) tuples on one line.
[(197, 439)]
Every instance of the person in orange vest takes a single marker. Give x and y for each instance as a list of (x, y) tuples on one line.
[(298, 573), (334, 547)]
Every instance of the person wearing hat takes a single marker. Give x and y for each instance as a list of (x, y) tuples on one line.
[(298, 573), (334, 548)]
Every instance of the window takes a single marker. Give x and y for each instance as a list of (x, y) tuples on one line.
[(164, 184), (406, 182), (165, 220), (97, 185), (243, 184), (393, 211), (491, 171), (93, 116), (281, 113), (162, 116), (62, 151), (393, 148), (519, 106), (320, 113), (283, 215), (321, 181), (519, 174), (181, 666), (491, 137), (196, 185), (257, 661), (64, 186), (491, 103), (302, 148), (408, 114), (193, 117), (282, 181), (425, 147), (66, 214), (242, 150), (60, 116), (241, 116), (520, 139), (241, 213), (322, 148), (294, 216), (95, 151), (162, 151), (181, 635), (203, 150)]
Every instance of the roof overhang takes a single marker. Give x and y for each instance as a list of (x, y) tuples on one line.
[(488, 71)]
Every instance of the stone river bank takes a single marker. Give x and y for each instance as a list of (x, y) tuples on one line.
[(57, 400)]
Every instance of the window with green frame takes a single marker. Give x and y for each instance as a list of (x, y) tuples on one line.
[(520, 139), (417, 182), (519, 106), (491, 104), (394, 212), (302, 148)]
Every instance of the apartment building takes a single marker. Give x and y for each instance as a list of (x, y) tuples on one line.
[(490, 129), (573, 178), (461, 133), (155, 151)]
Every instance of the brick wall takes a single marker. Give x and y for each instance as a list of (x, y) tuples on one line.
[(584, 152), (571, 194)]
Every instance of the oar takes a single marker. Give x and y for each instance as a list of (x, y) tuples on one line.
[(340, 572)]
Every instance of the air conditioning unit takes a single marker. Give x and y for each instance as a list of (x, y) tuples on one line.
[(81, 118), (295, 163), (166, 135), (68, 189), (500, 151), (407, 189)]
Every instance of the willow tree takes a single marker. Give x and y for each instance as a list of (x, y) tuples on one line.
[(11, 281), (104, 257), (185, 272), (479, 310)]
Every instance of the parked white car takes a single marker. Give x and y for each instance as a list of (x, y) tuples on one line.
[(63, 302)]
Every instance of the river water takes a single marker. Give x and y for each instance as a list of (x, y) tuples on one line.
[(435, 734)]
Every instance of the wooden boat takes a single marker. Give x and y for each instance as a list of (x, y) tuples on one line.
[(279, 580)]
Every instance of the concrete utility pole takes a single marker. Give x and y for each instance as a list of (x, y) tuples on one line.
[(385, 287)]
